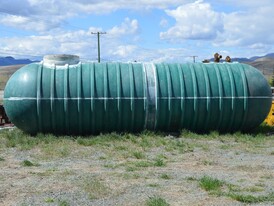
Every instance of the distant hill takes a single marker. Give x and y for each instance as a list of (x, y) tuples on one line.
[(264, 64), (6, 72), (6, 61), (246, 60), (252, 59), (270, 55), (239, 59), (235, 59)]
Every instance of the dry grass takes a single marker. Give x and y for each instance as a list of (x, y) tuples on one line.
[(6, 72), (129, 169)]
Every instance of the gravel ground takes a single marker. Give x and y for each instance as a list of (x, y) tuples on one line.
[(108, 174)]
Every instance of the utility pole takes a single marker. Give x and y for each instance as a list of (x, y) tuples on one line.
[(98, 39), (193, 58)]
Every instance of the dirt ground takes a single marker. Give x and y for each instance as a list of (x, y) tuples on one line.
[(73, 172)]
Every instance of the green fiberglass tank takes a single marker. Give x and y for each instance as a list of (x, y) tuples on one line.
[(61, 95)]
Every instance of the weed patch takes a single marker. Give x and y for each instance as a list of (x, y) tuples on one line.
[(121, 147), (178, 145), (138, 155), (95, 188), (153, 185), (214, 186), (63, 203), (104, 140), (128, 176), (165, 176), (225, 147), (252, 199), (210, 184), (59, 149), (143, 164), (27, 163), (16, 138), (131, 169), (191, 178), (111, 165), (207, 162), (159, 163), (156, 201), (49, 200), (254, 189)]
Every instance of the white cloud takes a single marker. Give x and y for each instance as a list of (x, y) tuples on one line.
[(104, 6), (258, 46), (123, 51), (245, 25), (127, 27), (34, 15), (252, 29), (27, 23), (50, 14), (68, 7), (247, 3), (80, 42), (194, 21)]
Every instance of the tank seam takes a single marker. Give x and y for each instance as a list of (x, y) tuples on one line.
[(119, 84), (132, 95), (169, 91), (92, 95), (39, 91), (220, 91), (195, 93), (182, 92), (52, 97), (105, 118), (79, 94), (66, 110), (245, 94), (233, 97), (208, 94)]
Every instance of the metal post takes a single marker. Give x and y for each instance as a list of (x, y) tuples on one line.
[(194, 58), (98, 38), (98, 43)]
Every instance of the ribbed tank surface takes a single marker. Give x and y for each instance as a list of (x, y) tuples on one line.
[(89, 98)]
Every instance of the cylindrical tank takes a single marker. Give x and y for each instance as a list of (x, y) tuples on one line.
[(89, 98)]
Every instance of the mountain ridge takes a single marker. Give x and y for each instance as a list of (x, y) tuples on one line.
[(251, 59), (9, 60)]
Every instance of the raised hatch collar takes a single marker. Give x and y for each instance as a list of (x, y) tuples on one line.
[(61, 59)]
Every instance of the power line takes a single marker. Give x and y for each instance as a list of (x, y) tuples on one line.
[(98, 40)]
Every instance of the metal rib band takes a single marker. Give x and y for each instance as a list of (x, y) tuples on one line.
[(151, 87), (129, 98)]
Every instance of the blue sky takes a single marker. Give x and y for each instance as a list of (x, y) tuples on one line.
[(144, 30)]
